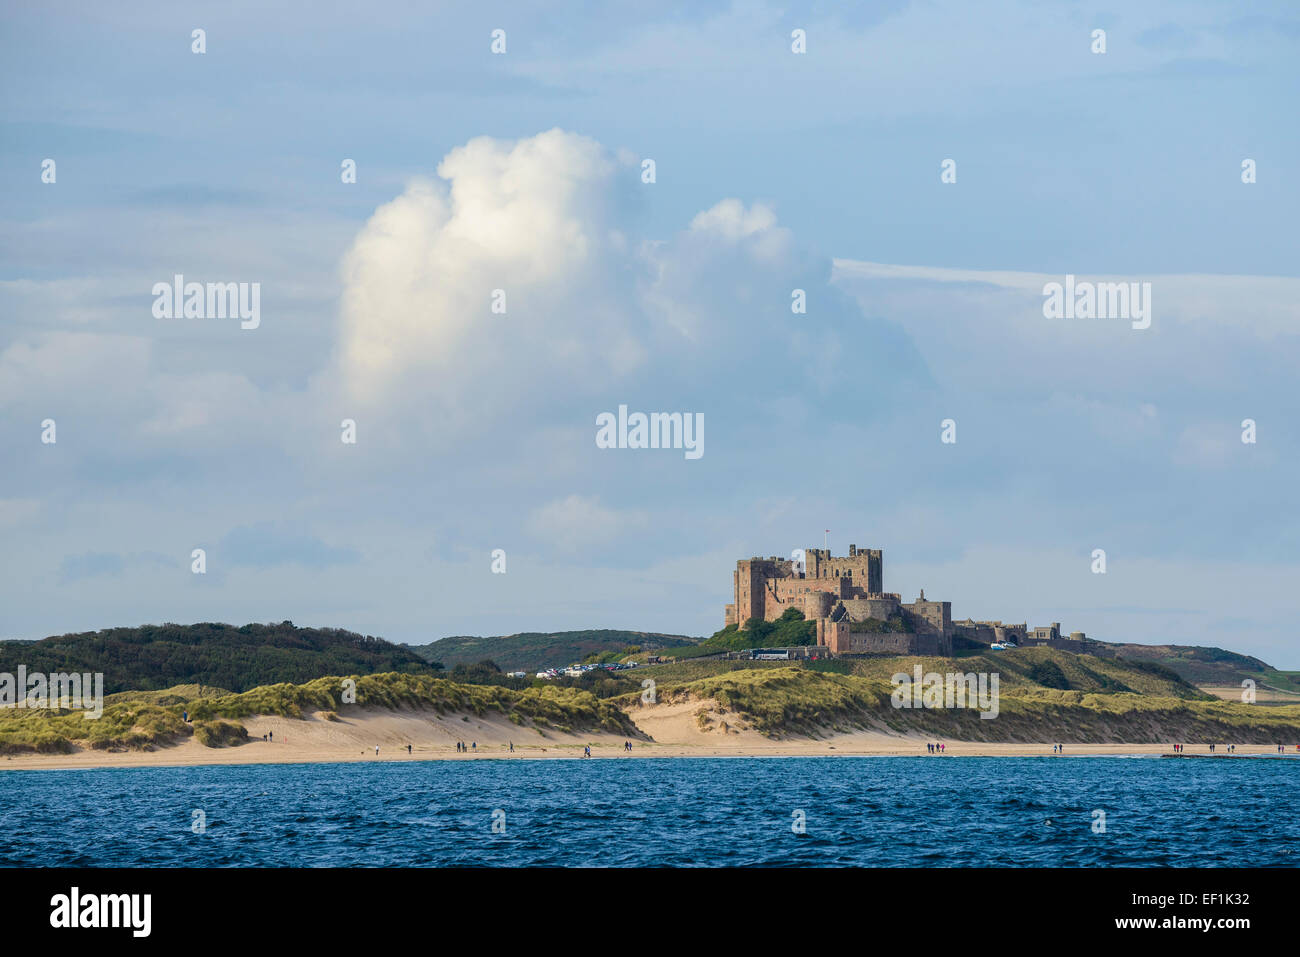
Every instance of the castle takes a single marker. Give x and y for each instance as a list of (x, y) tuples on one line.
[(845, 596)]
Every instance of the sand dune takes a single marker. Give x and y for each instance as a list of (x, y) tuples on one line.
[(675, 730)]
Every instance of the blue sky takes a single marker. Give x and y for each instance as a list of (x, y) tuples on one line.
[(774, 171)]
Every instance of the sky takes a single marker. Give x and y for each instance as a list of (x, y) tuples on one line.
[(503, 270)]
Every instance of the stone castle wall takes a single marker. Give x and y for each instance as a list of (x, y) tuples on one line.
[(862, 643), (880, 608), (839, 637), (864, 567), (930, 617)]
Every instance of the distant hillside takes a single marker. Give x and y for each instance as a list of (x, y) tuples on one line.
[(534, 650), (154, 657), (1212, 667)]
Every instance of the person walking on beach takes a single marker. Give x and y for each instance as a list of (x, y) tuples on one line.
[(512, 747), (408, 749), (376, 750), (270, 735)]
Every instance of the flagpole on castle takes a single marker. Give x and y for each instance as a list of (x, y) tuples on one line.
[(824, 546)]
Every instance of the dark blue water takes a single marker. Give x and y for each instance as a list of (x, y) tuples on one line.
[(891, 812)]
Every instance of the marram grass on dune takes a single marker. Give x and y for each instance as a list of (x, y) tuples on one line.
[(135, 721), (1045, 695)]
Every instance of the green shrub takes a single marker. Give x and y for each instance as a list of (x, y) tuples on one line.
[(1049, 675), (219, 734)]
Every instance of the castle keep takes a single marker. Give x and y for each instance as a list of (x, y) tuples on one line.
[(845, 596)]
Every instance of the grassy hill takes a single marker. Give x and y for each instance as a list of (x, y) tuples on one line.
[(1215, 667), (781, 701), (153, 657), (533, 651), (1048, 669)]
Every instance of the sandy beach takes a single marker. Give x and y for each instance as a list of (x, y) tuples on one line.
[(674, 728)]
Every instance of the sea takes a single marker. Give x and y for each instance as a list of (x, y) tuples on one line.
[(672, 812)]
